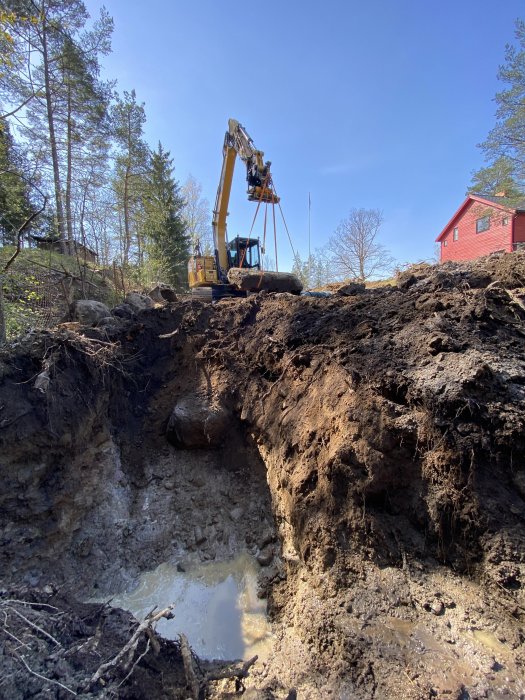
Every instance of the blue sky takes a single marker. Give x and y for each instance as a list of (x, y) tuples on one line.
[(376, 104)]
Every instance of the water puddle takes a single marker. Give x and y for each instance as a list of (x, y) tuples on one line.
[(216, 607), (491, 642)]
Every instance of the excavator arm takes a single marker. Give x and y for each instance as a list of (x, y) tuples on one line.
[(235, 268), (237, 142)]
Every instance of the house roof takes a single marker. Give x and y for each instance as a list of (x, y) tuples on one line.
[(56, 240), (501, 203), (520, 207)]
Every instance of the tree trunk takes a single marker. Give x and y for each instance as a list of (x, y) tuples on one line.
[(69, 215), (52, 137), (127, 234), (3, 332)]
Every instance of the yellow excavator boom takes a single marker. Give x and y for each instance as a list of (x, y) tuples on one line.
[(206, 271)]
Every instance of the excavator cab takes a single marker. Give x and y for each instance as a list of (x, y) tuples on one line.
[(244, 252)]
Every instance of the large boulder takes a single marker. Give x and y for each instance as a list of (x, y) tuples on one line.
[(139, 302), (198, 422), (88, 312)]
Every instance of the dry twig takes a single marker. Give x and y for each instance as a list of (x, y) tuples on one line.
[(35, 627), (47, 680)]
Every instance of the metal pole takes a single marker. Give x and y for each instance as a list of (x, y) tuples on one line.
[(309, 241)]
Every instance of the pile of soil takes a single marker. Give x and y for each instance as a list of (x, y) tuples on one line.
[(371, 456)]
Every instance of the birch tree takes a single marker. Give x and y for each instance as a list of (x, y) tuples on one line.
[(196, 213), (354, 250)]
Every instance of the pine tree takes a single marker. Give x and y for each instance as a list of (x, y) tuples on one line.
[(57, 87), (15, 204), (165, 229), (496, 178), (505, 146)]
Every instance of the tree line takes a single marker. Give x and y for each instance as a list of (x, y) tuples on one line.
[(71, 142), (352, 253)]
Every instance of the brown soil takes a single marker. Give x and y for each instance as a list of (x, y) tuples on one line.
[(374, 442)]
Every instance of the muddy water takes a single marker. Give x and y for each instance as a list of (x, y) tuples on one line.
[(216, 607)]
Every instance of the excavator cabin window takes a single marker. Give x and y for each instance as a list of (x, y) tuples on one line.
[(244, 252)]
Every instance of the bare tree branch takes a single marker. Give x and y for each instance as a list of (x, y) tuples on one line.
[(355, 253), (20, 232)]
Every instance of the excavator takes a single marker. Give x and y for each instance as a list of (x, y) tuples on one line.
[(236, 269)]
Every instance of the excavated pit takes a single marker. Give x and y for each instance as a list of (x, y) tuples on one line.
[(366, 449)]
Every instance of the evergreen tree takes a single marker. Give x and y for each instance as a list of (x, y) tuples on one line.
[(165, 228), (505, 146), (496, 178), (15, 205), (58, 86), (313, 272), (82, 118)]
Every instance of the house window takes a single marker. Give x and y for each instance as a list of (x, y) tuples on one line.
[(505, 221), (483, 224), (455, 234), (445, 244)]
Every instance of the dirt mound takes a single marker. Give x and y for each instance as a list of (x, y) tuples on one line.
[(501, 268), (389, 426)]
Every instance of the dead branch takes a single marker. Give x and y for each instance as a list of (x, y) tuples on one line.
[(130, 647), (191, 678), (29, 603), (138, 660), (63, 272), (6, 631), (20, 232), (238, 673), (35, 627), (154, 641), (47, 680)]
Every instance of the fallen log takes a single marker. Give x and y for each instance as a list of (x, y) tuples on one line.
[(258, 281)]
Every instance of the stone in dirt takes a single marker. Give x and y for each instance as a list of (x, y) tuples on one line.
[(88, 312), (198, 422), (139, 302)]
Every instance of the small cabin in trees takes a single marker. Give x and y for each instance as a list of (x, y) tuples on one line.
[(79, 250), (482, 225)]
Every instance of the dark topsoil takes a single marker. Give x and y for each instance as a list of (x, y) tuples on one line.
[(390, 426)]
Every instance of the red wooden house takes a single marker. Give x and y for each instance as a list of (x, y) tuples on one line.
[(482, 225)]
